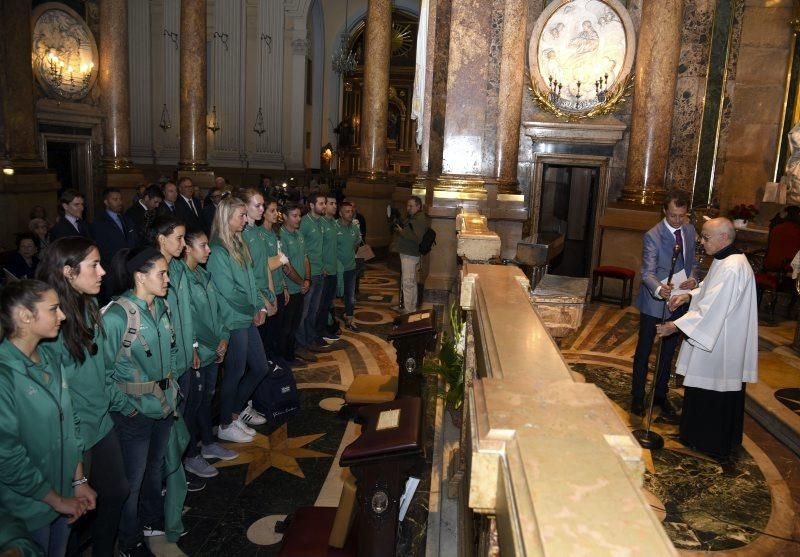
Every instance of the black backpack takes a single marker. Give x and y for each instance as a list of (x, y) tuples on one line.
[(428, 241)]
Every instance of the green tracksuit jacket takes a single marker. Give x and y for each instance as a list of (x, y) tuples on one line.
[(140, 367), (39, 443), (206, 315), (94, 394), (180, 305), (257, 243), (236, 286)]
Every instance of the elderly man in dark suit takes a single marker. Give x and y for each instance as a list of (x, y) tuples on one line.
[(188, 206), (145, 209), (659, 246), (71, 222)]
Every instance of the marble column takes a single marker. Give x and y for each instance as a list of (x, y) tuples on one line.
[(654, 94), (193, 142), (114, 83), (16, 87), (510, 95), (375, 100)]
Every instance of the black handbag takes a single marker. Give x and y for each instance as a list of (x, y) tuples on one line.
[(282, 400)]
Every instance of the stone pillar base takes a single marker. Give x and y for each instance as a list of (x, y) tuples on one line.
[(371, 198), (202, 179), (621, 235), (23, 191)]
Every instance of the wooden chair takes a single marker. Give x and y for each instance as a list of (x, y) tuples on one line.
[(772, 267), (620, 273)]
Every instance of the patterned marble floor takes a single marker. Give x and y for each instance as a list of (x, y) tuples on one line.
[(743, 507), (296, 465)]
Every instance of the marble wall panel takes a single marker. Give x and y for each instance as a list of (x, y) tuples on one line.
[(468, 71), (492, 88), (755, 99), (690, 92)]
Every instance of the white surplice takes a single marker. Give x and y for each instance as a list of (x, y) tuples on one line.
[(721, 351)]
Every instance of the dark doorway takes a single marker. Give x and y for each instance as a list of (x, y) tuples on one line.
[(70, 158), (62, 159), (569, 195)]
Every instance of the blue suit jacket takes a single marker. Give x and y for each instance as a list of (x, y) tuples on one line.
[(659, 243), (110, 239)]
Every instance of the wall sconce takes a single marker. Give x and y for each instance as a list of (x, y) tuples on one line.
[(356, 120), (8, 171), (212, 121)]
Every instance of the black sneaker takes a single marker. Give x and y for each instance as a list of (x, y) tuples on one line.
[(139, 550), (194, 483)]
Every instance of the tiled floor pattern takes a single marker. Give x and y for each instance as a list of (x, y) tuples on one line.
[(743, 507), (297, 464)]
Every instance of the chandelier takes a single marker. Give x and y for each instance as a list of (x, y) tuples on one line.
[(343, 61)]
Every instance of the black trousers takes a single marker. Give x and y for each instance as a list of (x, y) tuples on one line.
[(107, 477), (647, 335), (293, 313), (271, 330)]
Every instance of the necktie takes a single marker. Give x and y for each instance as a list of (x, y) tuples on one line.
[(78, 226), (191, 204), (679, 241)]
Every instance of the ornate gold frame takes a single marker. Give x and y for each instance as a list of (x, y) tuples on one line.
[(616, 98), (619, 91)]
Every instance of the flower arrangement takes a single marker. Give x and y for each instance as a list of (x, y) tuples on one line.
[(743, 212)]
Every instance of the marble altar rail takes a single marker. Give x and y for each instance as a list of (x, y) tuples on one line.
[(546, 457)]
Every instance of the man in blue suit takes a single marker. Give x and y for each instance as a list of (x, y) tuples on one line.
[(659, 246), (112, 231)]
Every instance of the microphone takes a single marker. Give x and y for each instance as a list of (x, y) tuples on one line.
[(675, 252)]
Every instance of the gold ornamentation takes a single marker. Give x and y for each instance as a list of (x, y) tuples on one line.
[(277, 450), (615, 98), (401, 39)]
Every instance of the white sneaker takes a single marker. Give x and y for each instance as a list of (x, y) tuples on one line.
[(251, 416), (233, 434), (244, 427)]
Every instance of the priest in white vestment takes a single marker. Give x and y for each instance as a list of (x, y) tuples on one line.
[(720, 353)]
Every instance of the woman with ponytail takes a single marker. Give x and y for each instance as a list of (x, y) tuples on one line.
[(139, 347), (231, 268), (72, 267), (41, 474)]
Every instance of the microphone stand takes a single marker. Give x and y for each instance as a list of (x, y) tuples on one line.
[(646, 438)]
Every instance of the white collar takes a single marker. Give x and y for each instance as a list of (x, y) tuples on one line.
[(71, 219), (673, 230)]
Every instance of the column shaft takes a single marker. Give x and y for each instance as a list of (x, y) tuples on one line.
[(651, 123), (114, 83), (193, 142), (375, 104), (16, 95), (510, 97)]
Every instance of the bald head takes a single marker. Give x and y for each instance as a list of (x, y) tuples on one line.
[(717, 234)]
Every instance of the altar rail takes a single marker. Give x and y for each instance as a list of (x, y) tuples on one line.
[(545, 461)]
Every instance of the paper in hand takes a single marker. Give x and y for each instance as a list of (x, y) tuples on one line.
[(677, 279)]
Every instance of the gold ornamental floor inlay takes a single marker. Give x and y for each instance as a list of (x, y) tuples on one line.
[(276, 450)]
